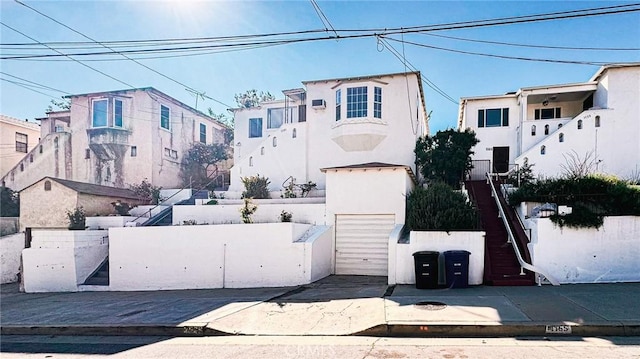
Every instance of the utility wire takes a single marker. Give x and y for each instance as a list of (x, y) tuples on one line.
[(123, 55), (535, 46), (372, 32), (323, 18), (35, 83), (63, 54), (593, 63)]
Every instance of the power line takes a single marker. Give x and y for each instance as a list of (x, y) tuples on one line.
[(125, 56), (63, 54), (322, 17), (535, 46), (375, 32), (35, 83), (593, 63)]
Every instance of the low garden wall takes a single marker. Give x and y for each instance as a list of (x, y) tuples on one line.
[(10, 252), (218, 256), (60, 260), (586, 255), (402, 270), (309, 213)]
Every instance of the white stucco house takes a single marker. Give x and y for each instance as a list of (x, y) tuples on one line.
[(597, 119), (24, 134), (116, 138), (329, 123)]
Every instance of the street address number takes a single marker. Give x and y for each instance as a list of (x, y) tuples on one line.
[(558, 329)]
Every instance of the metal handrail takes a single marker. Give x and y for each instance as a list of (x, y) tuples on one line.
[(523, 264)]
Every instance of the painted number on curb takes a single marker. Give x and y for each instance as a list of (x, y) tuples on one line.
[(558, 329)]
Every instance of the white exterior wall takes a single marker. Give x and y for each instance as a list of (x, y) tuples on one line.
[(221, 256), (309, 213), (403, 262), (314, 146), (58, 261), (8, 128), (10, 253), (608, 254), (490, 137)]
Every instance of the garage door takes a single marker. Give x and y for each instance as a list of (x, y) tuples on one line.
[(362, 243)]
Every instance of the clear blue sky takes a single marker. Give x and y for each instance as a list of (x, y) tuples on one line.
[(274, 69)]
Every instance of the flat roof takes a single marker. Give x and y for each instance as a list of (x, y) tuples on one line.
[(367, 77), (18, 122), (373, 165)]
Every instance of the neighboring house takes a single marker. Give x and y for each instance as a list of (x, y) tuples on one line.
[(548, 125), (17, 138), (44, 203), (117, 138), (330, 123)]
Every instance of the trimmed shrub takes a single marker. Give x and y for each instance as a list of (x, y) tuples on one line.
[(256, 187), (439, 207)]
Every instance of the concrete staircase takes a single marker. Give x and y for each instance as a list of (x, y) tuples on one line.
[(100, 276), (501, 265)]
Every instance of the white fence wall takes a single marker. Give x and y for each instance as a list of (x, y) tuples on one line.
[(10, 251), (440, 242), (59, 260), (608, 254), (309, 213), (217, 256)]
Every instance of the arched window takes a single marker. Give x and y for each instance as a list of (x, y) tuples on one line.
[(262, 150), (543, 149), (561, 137), (250, 161), (21, 166), (579, 124), (533, 130), (47, 185), (31, 158), (55, 143), (40, 149), (559, 125), (294, 134), (275, 141), (597, 121), (546, 129)]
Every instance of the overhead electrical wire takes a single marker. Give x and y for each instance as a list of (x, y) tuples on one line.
[(609, 10), (323, 18), (123, 55)]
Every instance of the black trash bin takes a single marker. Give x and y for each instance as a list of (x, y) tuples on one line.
[(456, 265), (426, 267)]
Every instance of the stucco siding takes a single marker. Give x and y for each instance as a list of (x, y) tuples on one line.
[(40, 208)]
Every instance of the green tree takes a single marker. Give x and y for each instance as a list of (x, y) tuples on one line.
[(226, 120), (64, 104), (252, 98), (199, 166), (446, 156), (9, 203)]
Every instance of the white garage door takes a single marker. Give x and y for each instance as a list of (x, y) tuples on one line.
[(362, 243)]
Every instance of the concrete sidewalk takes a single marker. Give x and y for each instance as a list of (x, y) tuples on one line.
[(337, 305)]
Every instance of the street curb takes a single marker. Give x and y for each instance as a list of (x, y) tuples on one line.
[(490, 331), (119, 330)]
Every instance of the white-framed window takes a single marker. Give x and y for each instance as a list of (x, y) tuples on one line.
[(22, 142), (493, 117), (117, 113), (203, 133), (275, 117), (99, 112), (377, 102), (165, 117), (338, 103), (547, 113), (357, 102), (255, 127)]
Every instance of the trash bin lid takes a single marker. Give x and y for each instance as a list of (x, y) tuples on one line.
[(457, 253), (426, 253)]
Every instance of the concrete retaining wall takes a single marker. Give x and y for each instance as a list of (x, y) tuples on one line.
[(10, 251)]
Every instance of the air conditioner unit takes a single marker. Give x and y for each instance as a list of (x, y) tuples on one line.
[(318, 104)]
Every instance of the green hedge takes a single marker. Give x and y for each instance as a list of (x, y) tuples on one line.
[(439, 207)]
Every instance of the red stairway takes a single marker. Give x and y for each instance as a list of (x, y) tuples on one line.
[(501, 267)]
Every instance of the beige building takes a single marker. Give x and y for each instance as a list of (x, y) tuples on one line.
[(17, 138), (115, 139), (44, 203)]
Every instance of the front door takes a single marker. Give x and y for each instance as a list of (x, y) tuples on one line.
[(500, 159)]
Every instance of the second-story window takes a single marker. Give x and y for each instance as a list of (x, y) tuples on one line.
[(255, 127), (547, 113), (22, 142), (117, 113), (203, 133), (493, 117), (275, 117), (165, 117), (338, 103), (100, 113), (357, 102), (377, 102)]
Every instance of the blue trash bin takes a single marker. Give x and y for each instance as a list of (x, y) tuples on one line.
[(456, 265)]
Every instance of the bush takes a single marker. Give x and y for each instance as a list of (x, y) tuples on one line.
[(285, 216), (256, 187), (247, 210), (77, 218), (147, 192), (439, 207), (10, 203)]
